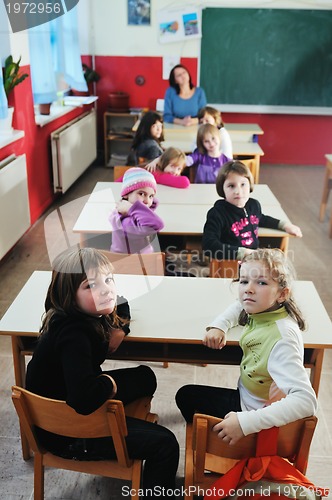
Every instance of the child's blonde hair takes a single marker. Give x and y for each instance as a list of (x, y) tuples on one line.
[(281, 271), (216, 115), (174, 155), (233, 166), (203, 130)]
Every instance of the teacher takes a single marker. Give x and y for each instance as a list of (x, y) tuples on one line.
[(182, 99)]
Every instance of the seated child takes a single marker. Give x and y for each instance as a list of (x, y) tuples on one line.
[(134, 221), (231, 227), (148, 138), (213, 116), (207, 157), (169, 167)]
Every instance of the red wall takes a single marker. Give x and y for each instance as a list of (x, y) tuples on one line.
[(289, 139), (36, 146)]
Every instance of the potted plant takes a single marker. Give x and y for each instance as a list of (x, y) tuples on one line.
[(11, 77), (90, 76)]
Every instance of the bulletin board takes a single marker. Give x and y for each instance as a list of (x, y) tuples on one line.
[(277, 57)]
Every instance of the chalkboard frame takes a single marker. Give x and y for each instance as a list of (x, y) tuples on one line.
[(224, 73)]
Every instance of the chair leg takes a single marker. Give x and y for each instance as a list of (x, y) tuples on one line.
[(136, 479), (189, 464), (38, 477)]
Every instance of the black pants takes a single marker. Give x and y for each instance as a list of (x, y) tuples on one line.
[(147, 441), (216, 401)]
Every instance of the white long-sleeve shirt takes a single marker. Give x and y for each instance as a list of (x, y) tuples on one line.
[(286, 369)]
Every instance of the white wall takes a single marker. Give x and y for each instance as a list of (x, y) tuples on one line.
[(110, 34)]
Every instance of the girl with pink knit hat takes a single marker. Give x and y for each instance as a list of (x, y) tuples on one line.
[(134, 221)]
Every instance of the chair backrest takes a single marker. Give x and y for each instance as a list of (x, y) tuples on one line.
[(294, 441), (252, 165), (57, 417), (147, 264), (225, 268), (119, 171)]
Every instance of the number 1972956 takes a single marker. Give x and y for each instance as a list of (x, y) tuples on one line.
[(34, 8)]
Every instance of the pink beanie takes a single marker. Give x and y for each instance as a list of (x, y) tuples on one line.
[(137, 178)]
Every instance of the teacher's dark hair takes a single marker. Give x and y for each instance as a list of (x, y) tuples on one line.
[(172, 81)]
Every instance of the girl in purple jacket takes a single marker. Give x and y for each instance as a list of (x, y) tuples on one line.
[(134, 221)]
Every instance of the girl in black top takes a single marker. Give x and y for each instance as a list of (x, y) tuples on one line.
[(82, 323), (148, 138), (231, 227)]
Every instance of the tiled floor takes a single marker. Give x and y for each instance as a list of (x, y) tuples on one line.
[(299, 191)]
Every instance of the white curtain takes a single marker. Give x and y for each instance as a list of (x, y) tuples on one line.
[(3, 99), (54, 48)]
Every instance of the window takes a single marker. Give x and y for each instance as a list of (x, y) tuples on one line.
[(55, 58)]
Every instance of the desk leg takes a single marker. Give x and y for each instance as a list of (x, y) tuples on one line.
[(316, 369), (83, 240), (258, 163), (284, 244), (19, 372), (326, 190)]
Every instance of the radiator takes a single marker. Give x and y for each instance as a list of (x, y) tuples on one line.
[(14, 202), (74, 148)]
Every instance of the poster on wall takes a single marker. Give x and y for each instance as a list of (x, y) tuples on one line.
[(178, 25), (139, 12)]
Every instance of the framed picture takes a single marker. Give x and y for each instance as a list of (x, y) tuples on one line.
[(139, 12), (180, 24)]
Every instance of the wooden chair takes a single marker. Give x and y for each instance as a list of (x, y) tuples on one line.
[(225, 268), (252, 165), (208, 457), (147, 264), (57, 417), (119, 170)]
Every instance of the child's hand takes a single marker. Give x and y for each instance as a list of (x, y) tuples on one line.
[(123, 207), (152, 166), (215, 338), (229, 429), (292, 229)]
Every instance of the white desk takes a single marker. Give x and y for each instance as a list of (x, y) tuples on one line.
[(240, 148), (183, 220), (239, 132), (195, 194), (152, 322)]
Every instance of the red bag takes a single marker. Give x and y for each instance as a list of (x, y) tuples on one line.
[(265, 475)]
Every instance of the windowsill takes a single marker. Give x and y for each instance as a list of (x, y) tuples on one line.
[(9, 137), (55, 112), (58, 110)]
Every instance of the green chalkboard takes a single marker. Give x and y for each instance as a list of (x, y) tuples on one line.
[(277, 57)]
